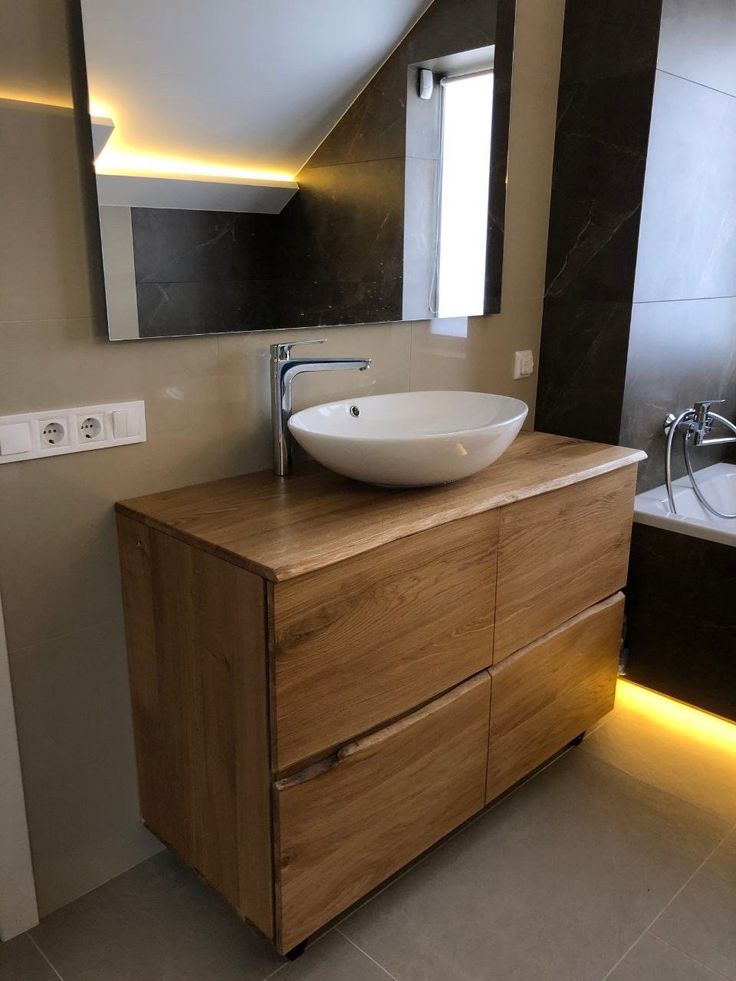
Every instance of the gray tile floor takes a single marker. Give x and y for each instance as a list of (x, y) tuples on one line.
[(618, 861)]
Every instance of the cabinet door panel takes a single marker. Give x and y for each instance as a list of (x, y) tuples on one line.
[(558, 554), (552, 690), (346, 824), (364, 641)]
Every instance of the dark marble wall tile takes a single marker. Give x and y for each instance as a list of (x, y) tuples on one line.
[(687, 244), (597, 185), (331, 302), (679, 352), (698, 42), (206, 307), (604, 109), (605, 39), (374, 128), (346, 226), (175, 246), (582, 369), (682, 618), (450, 26)]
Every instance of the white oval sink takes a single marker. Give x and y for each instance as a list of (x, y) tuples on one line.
[(411, 439)]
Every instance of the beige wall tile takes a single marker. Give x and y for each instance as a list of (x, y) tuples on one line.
[(482, 361), (44, 265), (75, 733), (33, 62), (58, 564)]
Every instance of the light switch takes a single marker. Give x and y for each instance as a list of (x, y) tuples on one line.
[(523, 364), (120, 424), (15, 437)]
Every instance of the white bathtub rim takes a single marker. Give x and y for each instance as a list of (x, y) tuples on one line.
[(645, 504)]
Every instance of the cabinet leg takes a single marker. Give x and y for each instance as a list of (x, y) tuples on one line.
[(578, 739), (297, 951)]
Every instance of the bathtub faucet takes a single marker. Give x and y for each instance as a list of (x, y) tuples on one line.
[(694, 424)]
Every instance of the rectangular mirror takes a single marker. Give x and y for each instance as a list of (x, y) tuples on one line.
[(298, 163)]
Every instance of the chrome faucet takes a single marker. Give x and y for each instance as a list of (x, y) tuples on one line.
[(284, 370)]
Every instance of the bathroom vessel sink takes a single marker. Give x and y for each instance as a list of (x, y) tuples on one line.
[(411, 439)]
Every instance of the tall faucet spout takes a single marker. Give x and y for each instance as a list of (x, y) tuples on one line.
[(284, 369)]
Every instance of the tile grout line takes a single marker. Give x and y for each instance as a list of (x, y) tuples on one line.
[(667, 905), (33, 941), (690, 957), (286, 963), (366, 954), (712, 814)]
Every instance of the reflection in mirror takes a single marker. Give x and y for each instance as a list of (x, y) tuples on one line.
[(263, 167)]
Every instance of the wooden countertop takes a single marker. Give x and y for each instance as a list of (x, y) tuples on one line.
[(280, 528)]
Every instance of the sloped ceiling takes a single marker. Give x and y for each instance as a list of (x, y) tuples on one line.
[(243, 83)]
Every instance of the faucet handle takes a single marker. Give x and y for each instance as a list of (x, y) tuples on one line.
[(281, 352), (703, 408)]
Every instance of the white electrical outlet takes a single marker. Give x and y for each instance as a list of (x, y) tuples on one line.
[(56, 432), (91, 427)]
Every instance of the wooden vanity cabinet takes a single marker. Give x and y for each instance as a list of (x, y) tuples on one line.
[(328, 678)]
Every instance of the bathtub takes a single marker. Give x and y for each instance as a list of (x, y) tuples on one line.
[(681, 636), (718, 486)]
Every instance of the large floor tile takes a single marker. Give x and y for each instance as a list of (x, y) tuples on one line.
[(702, 920), (157, 922), (652, 960), (333, 958), (556, 882), (682, 760), (21, 961)]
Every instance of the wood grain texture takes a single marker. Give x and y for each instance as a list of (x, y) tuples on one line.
[(384, 800), (558, 554), (369, 639), (552, 690), (198, 665), (281, 528)]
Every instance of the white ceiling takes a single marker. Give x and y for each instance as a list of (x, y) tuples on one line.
[(244, 83)]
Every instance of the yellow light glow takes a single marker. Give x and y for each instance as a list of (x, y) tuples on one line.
[(35, 99), (678, 716), (120, 162), (99, 109), (114, 161)]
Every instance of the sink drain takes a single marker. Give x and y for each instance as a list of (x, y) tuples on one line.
[(354, 411)]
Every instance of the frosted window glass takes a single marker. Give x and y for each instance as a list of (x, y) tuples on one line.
[(466, 160)]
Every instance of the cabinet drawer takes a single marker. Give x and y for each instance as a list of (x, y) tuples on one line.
[(558, 554), (552, 690), (346, 824), (367, 640)]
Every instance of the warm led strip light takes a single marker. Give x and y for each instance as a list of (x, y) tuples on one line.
[(676, 715), (122, 163)]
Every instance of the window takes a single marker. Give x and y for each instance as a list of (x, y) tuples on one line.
[(467, 110)]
